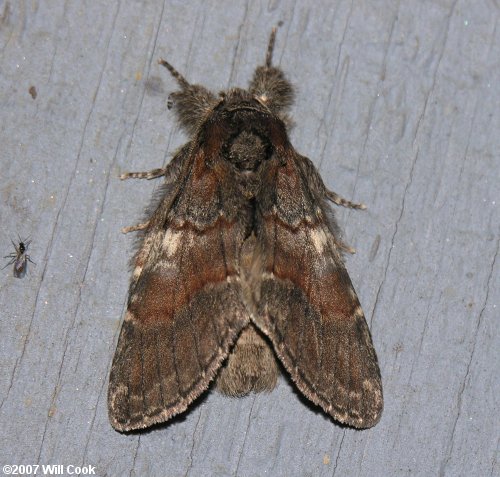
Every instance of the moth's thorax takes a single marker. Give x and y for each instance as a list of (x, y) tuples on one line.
[(246, 144), (247, 150)]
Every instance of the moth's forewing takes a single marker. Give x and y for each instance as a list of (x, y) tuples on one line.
[(185, 308), (308, 306)]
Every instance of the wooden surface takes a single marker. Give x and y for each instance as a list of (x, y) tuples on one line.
[(399, 106)]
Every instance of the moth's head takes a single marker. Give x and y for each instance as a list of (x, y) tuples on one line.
[(268, 92), (240, 99), (246, 127)]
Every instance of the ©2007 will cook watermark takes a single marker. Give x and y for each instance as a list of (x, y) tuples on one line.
[(48, 469)]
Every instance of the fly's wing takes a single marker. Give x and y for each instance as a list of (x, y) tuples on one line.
[(184, 308), (307, 304)]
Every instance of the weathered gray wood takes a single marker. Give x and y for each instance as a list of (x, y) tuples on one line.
[(399, 105)]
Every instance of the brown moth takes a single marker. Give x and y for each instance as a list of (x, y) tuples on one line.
[(240, 265)]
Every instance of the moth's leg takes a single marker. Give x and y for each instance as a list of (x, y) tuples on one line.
[(269, 84), (144, 175), (318, 186), (337, 199), (192, 103), (135, 228), (343, 246), (170, 172)]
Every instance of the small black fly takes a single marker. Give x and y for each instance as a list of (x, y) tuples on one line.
[(20, 258)]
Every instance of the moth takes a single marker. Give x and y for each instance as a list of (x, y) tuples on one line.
[(19, 258), (240, 268)]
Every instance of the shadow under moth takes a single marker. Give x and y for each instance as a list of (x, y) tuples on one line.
[(240, 265)]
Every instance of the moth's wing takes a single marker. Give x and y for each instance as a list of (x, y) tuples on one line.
[(184, 309), (308, 306)]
